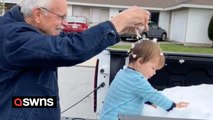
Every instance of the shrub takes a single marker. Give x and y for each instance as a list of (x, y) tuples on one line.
[(210, 29)]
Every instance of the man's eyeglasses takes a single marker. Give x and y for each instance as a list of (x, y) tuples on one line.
[(63, 17)]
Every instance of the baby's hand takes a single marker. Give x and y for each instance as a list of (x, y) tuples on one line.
[(182, 104)]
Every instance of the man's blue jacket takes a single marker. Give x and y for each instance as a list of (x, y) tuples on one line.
[(29, 61)]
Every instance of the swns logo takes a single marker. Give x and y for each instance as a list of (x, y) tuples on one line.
[(33, 102)]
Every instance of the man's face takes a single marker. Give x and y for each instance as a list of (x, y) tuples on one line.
[(53, 18)]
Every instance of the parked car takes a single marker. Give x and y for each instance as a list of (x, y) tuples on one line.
[(154, 32), (76, 24)]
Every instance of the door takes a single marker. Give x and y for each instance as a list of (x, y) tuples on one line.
[(178, 26)]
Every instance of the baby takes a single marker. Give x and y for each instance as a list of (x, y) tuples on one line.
[(130, 88)]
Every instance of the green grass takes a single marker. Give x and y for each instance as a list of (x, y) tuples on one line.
[(182, 48), (173, 48)]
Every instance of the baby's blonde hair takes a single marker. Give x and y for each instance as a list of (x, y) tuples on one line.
[(147, 50)]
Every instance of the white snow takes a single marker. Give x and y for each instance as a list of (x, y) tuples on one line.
[(200, 100)]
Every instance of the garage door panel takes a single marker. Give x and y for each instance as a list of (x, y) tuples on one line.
[(178, 30)]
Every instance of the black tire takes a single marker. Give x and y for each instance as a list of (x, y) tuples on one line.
[(163, 37), (123, 38)]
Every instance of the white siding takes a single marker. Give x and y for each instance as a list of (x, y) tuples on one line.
[(69, 10), (99, 15), (178, 26), (113, 12), (198, 22), (95, 15), (81, 11), (10, 1), (164, 21)]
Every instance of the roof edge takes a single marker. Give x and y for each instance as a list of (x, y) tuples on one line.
[(111, 6), (147, 8), (188, 6)]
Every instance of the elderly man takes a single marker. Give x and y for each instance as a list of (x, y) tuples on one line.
[(32, 46)]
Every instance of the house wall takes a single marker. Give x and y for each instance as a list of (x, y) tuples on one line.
[(113, 12), (81, 11), (11, 1), (98, 14), (164, 21), (2, 9), (178, 25), (197, 27), (95, 15), (69, 10)]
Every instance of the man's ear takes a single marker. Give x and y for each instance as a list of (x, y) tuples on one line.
[(36, 14)]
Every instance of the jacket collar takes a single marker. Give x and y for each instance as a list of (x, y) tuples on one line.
[(15, 14)]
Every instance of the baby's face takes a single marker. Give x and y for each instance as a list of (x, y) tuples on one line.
[(149, 68)]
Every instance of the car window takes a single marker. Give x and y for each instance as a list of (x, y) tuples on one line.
[(153, 26)]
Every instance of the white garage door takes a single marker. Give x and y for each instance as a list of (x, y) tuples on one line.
[(94, 14), (98, 15), (81, 11), (178, 30)]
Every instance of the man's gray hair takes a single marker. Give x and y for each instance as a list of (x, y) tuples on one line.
[(28, 5)]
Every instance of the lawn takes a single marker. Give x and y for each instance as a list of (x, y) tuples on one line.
[(174, 48)]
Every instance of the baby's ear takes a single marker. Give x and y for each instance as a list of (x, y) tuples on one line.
[(140, 60)]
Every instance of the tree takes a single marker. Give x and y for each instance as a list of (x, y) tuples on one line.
[(210, 29)]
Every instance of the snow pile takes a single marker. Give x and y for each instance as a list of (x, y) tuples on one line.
[(200, 100)]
